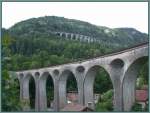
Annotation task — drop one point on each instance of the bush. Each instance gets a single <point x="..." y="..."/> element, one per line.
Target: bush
<point x="10" y="93"/>
<point x="105" y="103"/>
<point x="137" y="107"/>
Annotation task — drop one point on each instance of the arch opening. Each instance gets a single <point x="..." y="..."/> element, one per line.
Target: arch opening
<point x="32" y="93"/>
<point x="50" y="92"/>
<point x="68" y="90"/>
<point x="58" y="34"/>
<point x="98" y="89"/>
<point x="72" y="89"/>
<point x="69" y="36"/>
<point x="46" y="91"/>
<point x="135" y="83"/>
<point x="74" y="37"/>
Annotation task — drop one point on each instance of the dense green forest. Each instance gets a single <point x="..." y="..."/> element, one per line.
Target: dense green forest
<point x="30" y="44"/>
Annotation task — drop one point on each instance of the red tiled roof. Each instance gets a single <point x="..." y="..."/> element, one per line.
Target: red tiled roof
<point x="74" y="107"/>
<point x="141" y="95"/>
<point x="72" y="96"/>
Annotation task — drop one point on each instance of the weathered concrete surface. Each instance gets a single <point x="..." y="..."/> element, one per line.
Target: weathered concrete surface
<point x="121" y="66"/>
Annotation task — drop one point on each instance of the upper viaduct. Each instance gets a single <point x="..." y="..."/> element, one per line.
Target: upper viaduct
<point x="74" y="36"/>
<point x="121" y="66"/>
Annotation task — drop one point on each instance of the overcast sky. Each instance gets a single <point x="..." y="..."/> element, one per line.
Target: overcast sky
<point x="109" y="14"/>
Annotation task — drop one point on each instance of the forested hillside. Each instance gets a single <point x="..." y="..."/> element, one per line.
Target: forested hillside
<point x="45" y="26"/>
<point x="32" y="44"/>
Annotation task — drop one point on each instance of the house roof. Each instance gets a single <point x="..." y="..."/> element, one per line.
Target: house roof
<point x="141" y="95"/>
<point x="74" y="107"/>
<point x="72" y="96"/>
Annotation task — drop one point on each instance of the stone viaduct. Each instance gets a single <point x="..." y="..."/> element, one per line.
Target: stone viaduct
<point x="73" y="36"/>
<point x="121" y="66"/>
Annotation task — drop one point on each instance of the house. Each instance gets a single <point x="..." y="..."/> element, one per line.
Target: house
<point x="76" y="107"/>
<point x="72" y="97"/>
<point x="142" y="97"/>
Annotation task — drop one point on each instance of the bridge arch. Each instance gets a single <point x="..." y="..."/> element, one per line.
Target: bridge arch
<point x="69" y="36"/>
<point x="89" y="84"/>
<point x="63" y="86"/>
<point x="28" y="92"/>
<point x="129" y="82"/>
<point x="45" y="80"/>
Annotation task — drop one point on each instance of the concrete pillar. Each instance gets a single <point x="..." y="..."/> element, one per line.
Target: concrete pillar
<point x="91" y="39"/>
<point x="42" y="95"/>
<point x="80" y="85"/>
<point x="129" y="85"/>
<point x="62" y="93"/>
<point x="80" y="38"/>
<point x="37" y="101"/>
<point x="24" y="95"/>
<point x="88" y="87"/>
<point x="118" y="97"/>
<point x="21" y="92"/>
<point x="116" y="75"/>
<point x="72" y="36"/>
<point x="56" y="96"/>
<point x="20" y="77"/>
<point x="116" y="72"/>
<point x="66" y="35"/>
<point x="128" y="94"/>
<point x="77" y="36"/>
<point x="36" y="96"/>
<point x="61" y="34"/>
<point x="80" y="94"/>
<point x="85" y="39"/>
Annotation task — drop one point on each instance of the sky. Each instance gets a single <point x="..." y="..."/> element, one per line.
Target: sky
<point x="109" y="14"/>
